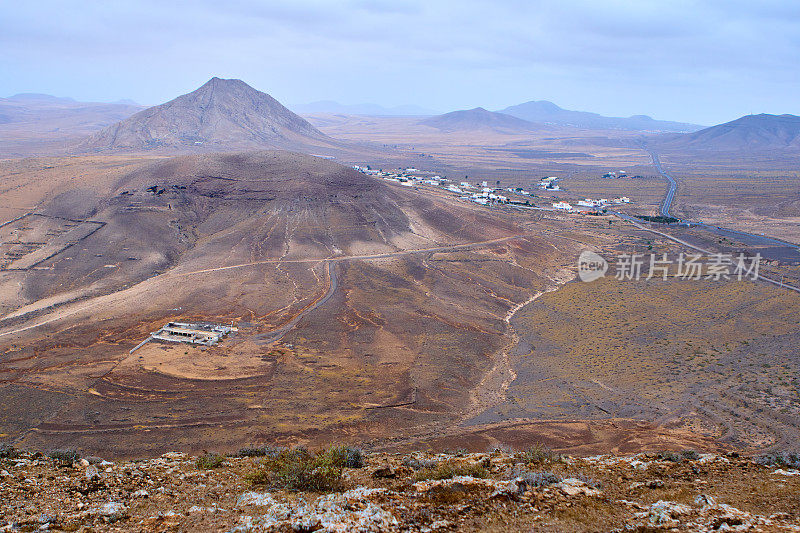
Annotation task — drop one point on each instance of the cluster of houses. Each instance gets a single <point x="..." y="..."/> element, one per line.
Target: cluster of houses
<point x="481" y="193"/>
<point x="549" y="184"/>
<point x="617" y="174"/>
<point x="591" y="204"/>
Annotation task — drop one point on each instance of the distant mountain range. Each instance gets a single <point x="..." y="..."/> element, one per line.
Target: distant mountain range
<point x="222" y="115"/>
<point x="549" y="113"/>
<point x="62" y="111"/>
<point x="480" y="119"/>
<point x="748" y="133"/>
<point x="329" y="106"/>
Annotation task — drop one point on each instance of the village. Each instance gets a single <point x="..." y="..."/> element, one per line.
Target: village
<point x="483" y="194"/>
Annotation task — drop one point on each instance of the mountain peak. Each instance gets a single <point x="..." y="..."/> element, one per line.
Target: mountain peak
<point x="221" y="114"/>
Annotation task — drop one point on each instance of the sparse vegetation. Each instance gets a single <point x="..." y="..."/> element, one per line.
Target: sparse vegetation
<point x="299" y="469"/>
<point x="539" y="454"/>
<point x="209" y="461"/>
<point x="259" y="451"/>
<point x="534" y="479"/>
<point x="418" y="464"/>
<point x="64" y="457"/>
<point x="677" y="457"/>
<point x="8" y="452"/>
<point x="784" y="459"/>
<point x="347" y="456"/>
<point x="450" y="469"/>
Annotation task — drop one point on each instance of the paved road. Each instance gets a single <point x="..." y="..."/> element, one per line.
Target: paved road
<point x="639" y="225"/>
<point x="744" y="236"/>
<point x="666" y="203"/>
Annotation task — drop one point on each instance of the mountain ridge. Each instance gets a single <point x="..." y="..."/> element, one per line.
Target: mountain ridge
<point x="330" y="106"/>
<point x="550" y="113"/>
<point x="479" y="118"/>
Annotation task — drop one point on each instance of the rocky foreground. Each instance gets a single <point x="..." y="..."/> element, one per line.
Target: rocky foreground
<point x="294" y="490"/>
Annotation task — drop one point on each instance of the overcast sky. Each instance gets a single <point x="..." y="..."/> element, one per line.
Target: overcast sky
<point x="695" y="61"/>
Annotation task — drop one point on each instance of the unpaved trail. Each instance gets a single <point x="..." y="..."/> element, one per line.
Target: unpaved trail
<point x="492" y="389"/>
<point x="61" y="313"/>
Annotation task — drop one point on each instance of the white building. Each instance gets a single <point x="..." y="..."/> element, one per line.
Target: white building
<point x="563" y="206"/>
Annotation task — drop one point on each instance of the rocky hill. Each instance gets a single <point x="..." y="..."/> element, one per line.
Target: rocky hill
<point x="342" y="489"/>
<point x="749" y="133"/>
<point x="480" y="119"/>
<point x="222" y="115"/>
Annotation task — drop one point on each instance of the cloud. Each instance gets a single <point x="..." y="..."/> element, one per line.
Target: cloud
<point x="410" y="51"/>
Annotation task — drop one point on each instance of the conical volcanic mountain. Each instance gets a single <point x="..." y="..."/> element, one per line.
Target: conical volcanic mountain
<point x="219" y="116"/>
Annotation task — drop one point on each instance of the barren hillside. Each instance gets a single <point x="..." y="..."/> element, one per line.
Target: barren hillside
<point x="221" y="115"/>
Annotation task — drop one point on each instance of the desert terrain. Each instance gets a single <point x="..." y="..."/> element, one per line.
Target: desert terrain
<point x="386" y="310"/>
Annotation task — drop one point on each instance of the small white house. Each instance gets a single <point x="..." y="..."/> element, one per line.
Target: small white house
<point x="563" y="206"/>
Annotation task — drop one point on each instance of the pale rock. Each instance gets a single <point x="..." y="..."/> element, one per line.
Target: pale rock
<point x="574" y="487"/>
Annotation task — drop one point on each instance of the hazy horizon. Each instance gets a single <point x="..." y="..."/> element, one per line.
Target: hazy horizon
<point x="699" y="62"/>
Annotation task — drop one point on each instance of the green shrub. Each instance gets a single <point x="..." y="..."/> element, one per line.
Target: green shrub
<point x="450" y="469"/>
<point x="345" y="456"/>
<point x="65" y="457"/>
<point x="538" y="454"/>
<point x="256" y="451"/>
<point x="209" y="461"/>
<point x="299" y="469"/>
<point x="690" y="455"/>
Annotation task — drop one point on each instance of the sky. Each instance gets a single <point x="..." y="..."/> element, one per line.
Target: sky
<point x="704" y="62"/>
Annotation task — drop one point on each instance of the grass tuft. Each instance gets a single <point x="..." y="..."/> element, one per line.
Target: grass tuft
<point x="301" y="470"/>
<point x="539" y="454"/>
<point x="209" y="461"/>
<point x="451" y="469"/>
<point x="64" y="457"/>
